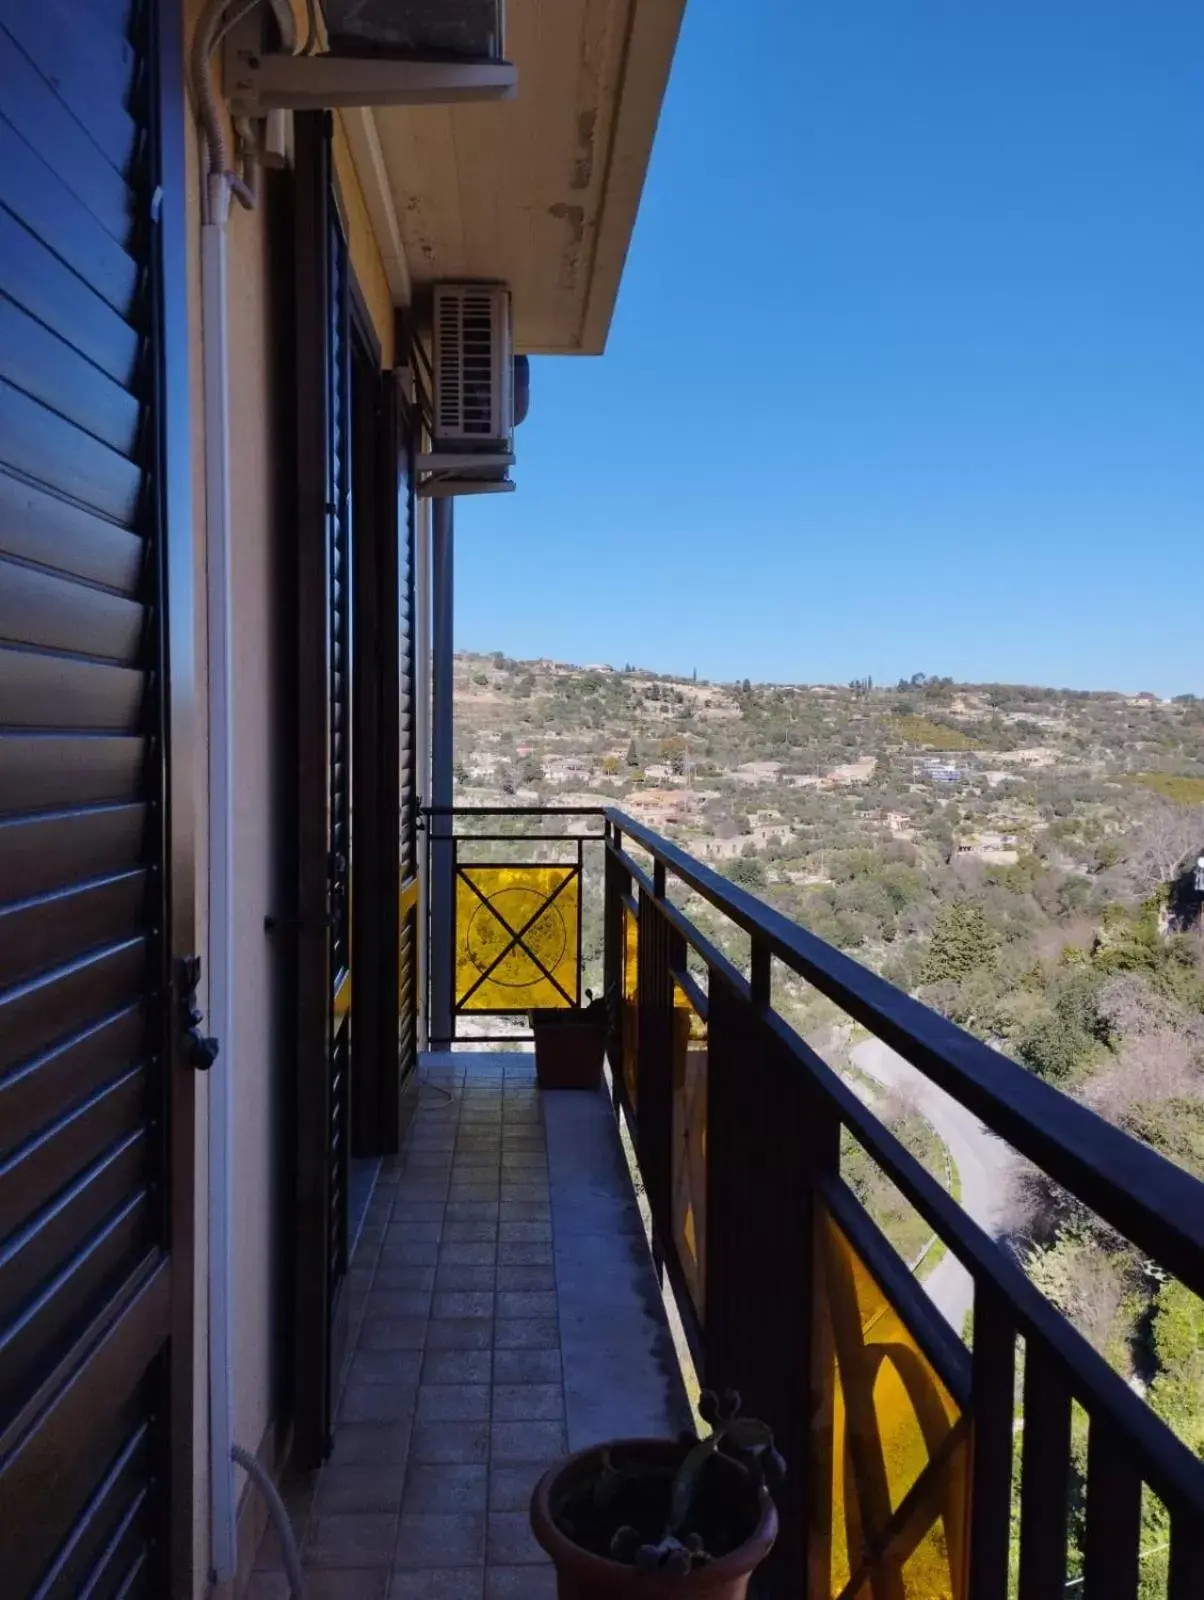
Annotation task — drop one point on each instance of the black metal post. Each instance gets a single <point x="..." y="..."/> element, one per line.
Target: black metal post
<point x="442" y="886"/>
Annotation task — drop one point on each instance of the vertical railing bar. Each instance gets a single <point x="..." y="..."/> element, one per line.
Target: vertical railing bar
<point x="1044" y="1476"/>
<point x="1185" y="1579"/>
<point x="580" y="916"/>
<point x="760" y="979"/>
<point x="654" y="1121"/>
<point x="450" y="957"/>
<point x="1112" y="1542"/>
<point x="992" y="1405"/>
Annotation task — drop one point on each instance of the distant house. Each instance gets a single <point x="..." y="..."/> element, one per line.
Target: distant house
<point x="655" y="806"/>
<point x="999" y="849"/>
<point x="859" y="771"/>
<point x="566" y="769"/>
<point x="754" y="772"/>
<point x="934" y="770"/>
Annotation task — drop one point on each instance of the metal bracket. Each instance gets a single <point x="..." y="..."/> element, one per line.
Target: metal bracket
<point x="462" y="461"/>
<point x="448" y="488"/>
<point x="200" y="1049"/>
<point x="257" y="83"/>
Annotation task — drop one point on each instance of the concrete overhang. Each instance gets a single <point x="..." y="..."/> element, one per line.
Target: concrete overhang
<point x="540" y="191"/>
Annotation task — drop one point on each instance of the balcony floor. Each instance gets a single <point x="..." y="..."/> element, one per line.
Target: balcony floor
<point x="506" y="1311"/>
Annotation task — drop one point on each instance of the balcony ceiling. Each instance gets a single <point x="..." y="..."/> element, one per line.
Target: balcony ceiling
<point x="541" y="191"/>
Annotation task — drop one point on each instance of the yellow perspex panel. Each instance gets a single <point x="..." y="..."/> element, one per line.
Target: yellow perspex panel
<point x="890" y="1442"/>
<point x="630" y="1010"/>
<point x="689" y="1147"/>
<point x="517" y="941"/>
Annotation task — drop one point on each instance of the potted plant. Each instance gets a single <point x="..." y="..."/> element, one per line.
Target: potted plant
<point x="570" y="1045"/>
<point x="658" y="1519"/>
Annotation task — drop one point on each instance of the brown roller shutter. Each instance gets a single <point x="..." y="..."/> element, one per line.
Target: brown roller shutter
<point x="324" y="843"/>
<point x="407" y="956"/>
<point x="95" y="1214"/>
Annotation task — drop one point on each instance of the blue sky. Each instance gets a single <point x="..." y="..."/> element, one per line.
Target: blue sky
<point x="907" y="371"/>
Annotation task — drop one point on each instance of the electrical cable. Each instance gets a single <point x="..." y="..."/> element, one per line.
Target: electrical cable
<point x="214" y="23"/>
<point x="262" y="1479"/>
<point x="311" y="28"/>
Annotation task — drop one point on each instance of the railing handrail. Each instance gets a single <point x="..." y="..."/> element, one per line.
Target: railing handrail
<point x="513" y="811"/>
<point x="1158" y="1206"/>
<point x="763" y="1243"/>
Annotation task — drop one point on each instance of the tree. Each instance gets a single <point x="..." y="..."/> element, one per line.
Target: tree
<point x="962" y="941"/>
<point x="1089" y="1284"/>
<point x="673" y="750"/>
<point x="747" y="871"/>
<point x="1168" y="835"/>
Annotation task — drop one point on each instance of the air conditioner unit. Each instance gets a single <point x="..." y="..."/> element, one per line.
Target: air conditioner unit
<point x="473" y="369"/>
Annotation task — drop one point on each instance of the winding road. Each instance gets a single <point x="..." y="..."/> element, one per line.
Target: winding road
<point x="982" y="1161"/>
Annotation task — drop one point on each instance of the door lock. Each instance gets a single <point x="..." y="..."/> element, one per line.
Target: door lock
<point x="200" y="1049"/>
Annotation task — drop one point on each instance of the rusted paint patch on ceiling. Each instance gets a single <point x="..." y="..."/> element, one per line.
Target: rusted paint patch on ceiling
<point x="573" y="217"/>
<point x="583" y="167"/>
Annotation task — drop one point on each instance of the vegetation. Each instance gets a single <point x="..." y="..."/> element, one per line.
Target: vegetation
<point x="900" y="1222"/>
<point x="1182" y="789"/>
<point x="933" y="735"/>
<point x="1020" y="858"/>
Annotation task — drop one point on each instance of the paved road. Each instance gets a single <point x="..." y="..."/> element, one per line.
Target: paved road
<point x="982" y="1163"/>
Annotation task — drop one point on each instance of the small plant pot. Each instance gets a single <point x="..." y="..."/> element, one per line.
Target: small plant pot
<point x="746" y="1516"/>
<point x="569" y="1047"/>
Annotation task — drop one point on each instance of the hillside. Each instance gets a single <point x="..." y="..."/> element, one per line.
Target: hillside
<point x="1018" y="857"/>
<point x="977" y="844"/>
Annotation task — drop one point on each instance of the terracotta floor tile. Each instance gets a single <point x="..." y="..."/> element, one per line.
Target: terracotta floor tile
<point x="454" y="1402"/>
<point x="527" y="1402"/>
<point x="375" y="1442"/>
<point x="438" y="1583"/>
<point x="457" y="1366"/>
<point x="510" y="1540"/>
<point x="511" y="1484"/>
<point x="453" y="1443"/>
<point x="527" y="1366"/>
<point x="526" y="1441"/>
<point x="447" y="1486"/>
<point x="360" y="1539"/>
<point x="359" y="1486"/>
<point x="349" y="1583"/>
<point x="520" y="1583"/>
<point x="527" y="1333"/>
<point x="440" y="1539"/>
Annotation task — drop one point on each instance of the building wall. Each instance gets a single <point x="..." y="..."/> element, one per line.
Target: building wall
<point x="258" y="434"/>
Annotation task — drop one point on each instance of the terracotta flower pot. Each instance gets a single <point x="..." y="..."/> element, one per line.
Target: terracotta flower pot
<point x="569" y="1047"/>
<point x="583" y="1575"/>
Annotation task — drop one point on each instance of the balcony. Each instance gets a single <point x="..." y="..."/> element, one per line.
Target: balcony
<point x="517" y="1294"/>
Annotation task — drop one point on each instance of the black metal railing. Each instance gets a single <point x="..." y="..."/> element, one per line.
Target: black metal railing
<point x="909" y="1475"/>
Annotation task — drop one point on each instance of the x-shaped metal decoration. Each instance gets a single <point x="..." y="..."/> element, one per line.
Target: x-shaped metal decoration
<point x="517" y="938"/>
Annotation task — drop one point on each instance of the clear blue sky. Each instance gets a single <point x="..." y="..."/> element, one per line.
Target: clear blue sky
<point x="907" y="372"/>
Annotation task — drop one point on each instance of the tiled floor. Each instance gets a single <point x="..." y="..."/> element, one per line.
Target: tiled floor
<point x="507" y="1312"/>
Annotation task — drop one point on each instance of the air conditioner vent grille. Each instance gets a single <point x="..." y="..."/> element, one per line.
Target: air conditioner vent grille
<point x="473" y="364"/>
